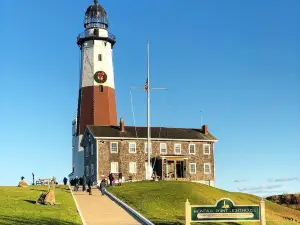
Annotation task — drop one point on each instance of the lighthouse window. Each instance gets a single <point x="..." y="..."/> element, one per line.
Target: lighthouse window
<point x="101" y="88"/>
<point x="99" y="57"/>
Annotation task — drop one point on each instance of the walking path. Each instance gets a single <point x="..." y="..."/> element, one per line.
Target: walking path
<point x="98" y="209"/>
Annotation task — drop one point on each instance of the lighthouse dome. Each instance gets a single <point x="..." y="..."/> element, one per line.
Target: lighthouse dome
<point x="95" y="17"/>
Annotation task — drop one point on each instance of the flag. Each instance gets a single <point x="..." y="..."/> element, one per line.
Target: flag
<point x="146" y="85"/>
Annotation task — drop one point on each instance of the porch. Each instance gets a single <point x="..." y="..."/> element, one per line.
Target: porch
<point x="171" y="167"/>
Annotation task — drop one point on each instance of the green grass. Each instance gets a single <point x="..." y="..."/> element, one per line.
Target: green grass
<point x="17" y="206"/>
<point x="163" y="202"/>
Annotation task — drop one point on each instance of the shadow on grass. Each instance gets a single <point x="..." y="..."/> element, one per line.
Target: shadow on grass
<point x="30" y="201"/>
<point x="16" y="220"/>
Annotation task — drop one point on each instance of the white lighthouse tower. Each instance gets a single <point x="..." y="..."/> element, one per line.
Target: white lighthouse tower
<point x="96" y="100"/>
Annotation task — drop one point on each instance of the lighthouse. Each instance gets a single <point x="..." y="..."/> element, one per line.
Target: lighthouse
<point x="96" y="99"/>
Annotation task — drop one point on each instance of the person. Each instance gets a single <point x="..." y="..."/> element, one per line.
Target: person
<point x="83" y="183"/>
<point x="90" y="186"/>
<point x="103" y="186"/>
<point x="65" y="180"/>
<point x="76" y="184"/>
<point x="110" y="177"/>
<point x="113" y="181"/>
<point x="120" y="179"/>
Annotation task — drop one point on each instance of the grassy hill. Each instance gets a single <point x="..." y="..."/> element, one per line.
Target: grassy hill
<point x="17" y="206"/>
<point x="288" y="200"/>
<point x="163" y="202"/>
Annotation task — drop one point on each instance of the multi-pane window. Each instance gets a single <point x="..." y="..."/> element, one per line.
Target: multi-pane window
<point x="163" y="148"/>
<point x="92" y="169"/>
<point x="132" y="147"/>
<point x="146" y="147"/>
<point x="193" y="168"/>
<point x="206" y="149"/>
<point x="114" y="167"/>
<point x="177" y="148"/>
<point x="192" y="148"/>
<point x="114" y="147"/>
<point x="207" y="169"/>
<point x="132" y="167"/>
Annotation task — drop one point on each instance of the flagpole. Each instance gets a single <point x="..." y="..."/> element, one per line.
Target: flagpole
<point x="148" y="113"/>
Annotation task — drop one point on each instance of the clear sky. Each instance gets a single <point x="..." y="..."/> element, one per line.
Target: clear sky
<point x="237" y="61"/>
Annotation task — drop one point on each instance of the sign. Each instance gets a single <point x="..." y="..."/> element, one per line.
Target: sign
<point x="224" y="211"/>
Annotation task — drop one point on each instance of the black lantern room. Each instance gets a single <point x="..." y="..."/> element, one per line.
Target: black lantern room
<point x="95" y="17"/>
<point x="95" y="20"/>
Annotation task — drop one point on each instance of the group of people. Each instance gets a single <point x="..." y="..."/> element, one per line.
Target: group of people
<point x="103" y="183"/>
<point x="84" y="183"/>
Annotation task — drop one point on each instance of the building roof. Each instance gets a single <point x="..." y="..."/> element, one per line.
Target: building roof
<point x="156" y="133"/>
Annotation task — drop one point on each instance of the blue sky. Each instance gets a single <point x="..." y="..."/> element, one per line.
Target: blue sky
<point x="238" y="61"/>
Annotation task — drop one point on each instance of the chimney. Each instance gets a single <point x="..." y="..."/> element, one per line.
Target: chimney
<point x="205" y="129"/>
<point x="122" y="126"/>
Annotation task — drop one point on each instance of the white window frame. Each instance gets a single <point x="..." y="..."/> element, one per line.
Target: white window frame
<point x="177" y="144"/>
<point x="207" y="164"/>
<point x="92" y="169"/>
<point x="131" y="166"/>
<point x="92" y="148"/>
<point x="204" y="153"/>
<point x="132" y="143"/>
<point x="160" y="148"/>
<point x="111" y="143"/>
<point x="195" y="168"/>
<point x="146" y="147"/>
<point x="117" y="167"/>
<point x="194" y="153"/>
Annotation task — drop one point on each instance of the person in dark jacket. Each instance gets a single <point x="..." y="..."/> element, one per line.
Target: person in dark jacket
<point x="120" y="179"/>
<point x="103" y="186"/>
<point x="83" y="183"/>
<point x="76" y="184"/>
<point x="110" y="177"/>
<point x="90" y="186"/>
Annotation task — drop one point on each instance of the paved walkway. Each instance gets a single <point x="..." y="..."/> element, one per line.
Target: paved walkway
<point x="98" y="209"/>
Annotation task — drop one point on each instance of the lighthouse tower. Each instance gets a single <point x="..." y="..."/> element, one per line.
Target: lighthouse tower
<point x="96" y="100"/>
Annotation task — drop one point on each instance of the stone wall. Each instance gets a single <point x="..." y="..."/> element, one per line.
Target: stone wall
<point x="123" y="157"/>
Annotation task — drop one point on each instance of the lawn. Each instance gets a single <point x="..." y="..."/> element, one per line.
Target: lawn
<point x="163" y="202"/>
<point x="17" y="206"/>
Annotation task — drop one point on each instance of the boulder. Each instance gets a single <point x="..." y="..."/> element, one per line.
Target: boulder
<point x="47" y="199"/>
<point x="22" y="183"/>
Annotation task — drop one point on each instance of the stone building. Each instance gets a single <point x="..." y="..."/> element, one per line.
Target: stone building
<point x="176" y="153"/>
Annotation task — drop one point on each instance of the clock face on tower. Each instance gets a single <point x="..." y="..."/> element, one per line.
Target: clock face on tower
<point x="100" y="77"/>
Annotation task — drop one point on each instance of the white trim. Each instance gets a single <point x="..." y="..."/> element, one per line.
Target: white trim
<point x="77" y="206"/>
<point x="113" y="142"/>
<point x="209" y="168"/>
<point x="132" y="172"/>
<point x="134" y="147"/>
<point x="194" y="149"/>
<point x="190" y="168"/>
<point x="176" y="144"/>
<point x="204" y="149"/>
<point x="146" y="145"/>
<point x="161" y="148"/>
<point x="153" y="139"/>
<point x="135" y="213"/>
<point x="97" y="164"/>
<point x="116" y="163"/>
